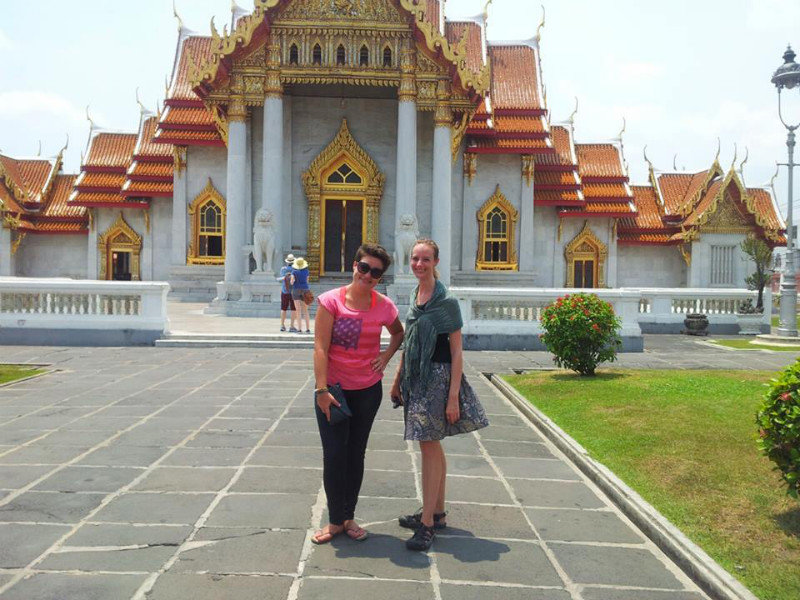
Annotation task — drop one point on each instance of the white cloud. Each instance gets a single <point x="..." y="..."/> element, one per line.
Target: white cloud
<point x="768" y="14"/>
<point x="25" y="103"/>
<point x="624" y="71"/>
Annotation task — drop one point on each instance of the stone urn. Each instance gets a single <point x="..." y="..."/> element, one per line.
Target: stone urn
<point x="696" y="324"/>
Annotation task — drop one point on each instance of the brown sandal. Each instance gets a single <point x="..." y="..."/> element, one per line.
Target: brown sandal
<point x="354" y="532"/>
<point x="325" y="535"/>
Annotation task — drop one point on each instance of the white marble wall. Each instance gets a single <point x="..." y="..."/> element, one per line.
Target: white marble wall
<point x="651" y="266"/>
<point x="52" y="256"/>
<point x="700" y="269"/>
<point x="160" y="238"/>
<point x="6" y="258"/>
<point x="545" y="244"/>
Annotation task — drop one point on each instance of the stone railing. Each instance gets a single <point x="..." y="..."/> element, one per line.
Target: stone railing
<point x="500" y="318"/>
<point x="79" y="312"/>
<point x="662" y="310"/>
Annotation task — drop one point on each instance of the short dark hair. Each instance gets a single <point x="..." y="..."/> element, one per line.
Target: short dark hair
<point x="376" y="251"/>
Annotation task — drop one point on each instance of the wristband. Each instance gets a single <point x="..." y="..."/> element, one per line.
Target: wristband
<point x="319" y="391"/>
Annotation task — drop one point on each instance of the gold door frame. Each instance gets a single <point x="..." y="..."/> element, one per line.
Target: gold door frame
<point x="347" y="198"/>
<point x="586" y="246"/>
<point x="343" y="149"/>
<point x="107" y="244"/>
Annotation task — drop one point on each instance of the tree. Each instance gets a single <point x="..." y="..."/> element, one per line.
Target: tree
<point x="760" y="253"/>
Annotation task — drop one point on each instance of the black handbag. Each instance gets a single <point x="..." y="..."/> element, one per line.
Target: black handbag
<point x="340" y="413"/>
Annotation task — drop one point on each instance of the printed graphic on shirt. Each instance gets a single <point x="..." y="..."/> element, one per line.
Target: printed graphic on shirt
<point x="346" y="332"/>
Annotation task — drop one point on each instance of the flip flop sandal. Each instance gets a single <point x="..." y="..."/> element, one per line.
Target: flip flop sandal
<point x="353" y="533"/>
<point x="323" y="537"/>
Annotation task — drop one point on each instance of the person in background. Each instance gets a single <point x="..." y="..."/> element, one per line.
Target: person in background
<point x="287" y="302"/>
<point x="430" y="383"/>
<point x="347" y="352"/>
<point x="299" y="286"/>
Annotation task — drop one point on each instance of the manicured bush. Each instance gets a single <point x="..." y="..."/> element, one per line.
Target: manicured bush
<point x="581" y="331"/>
<point x="779" y="426"/>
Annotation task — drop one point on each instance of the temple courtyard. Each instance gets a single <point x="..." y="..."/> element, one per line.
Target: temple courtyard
<point x="167" y="473"/>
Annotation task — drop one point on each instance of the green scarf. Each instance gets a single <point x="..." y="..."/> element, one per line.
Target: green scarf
<point x="441" y="315"/>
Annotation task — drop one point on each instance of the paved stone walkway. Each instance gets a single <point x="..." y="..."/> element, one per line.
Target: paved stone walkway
<point x="196" y="473"/>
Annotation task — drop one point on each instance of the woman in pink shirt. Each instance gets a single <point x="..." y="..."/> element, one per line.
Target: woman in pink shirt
<point x="347" y="352"/>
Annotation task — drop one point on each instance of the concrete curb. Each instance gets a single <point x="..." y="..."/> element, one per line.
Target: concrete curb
<point x="691" y="559"/>
<point x="46" y="371"/>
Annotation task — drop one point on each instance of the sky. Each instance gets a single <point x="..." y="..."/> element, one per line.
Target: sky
<point x="682" y="73"/>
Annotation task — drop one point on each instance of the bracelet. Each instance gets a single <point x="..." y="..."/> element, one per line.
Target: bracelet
<point x="319" y="391"/>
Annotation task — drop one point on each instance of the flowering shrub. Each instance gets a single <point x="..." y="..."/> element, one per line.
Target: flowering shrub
<point x="581" y="332"/>
<point x="778" y="420"/>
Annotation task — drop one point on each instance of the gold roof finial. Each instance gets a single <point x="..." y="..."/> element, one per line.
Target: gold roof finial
<point x="622" y="131"/>
<point x="214" y="33"/>
<point x="735" y="155"/>
<point x="538" y="35"/>
<point x="177" y="16"/>
<point x="675" y="162"/>
<point x="166" y="86"/>
<point x="142" y="109"/>
<point x="39" y="151"/>
<point x="771" y="183"/>
<point x="746" y="156"/>
<point x="66" y="145"/>
<point x="719" y="149"/>
<point x="88" y="118"/>
<point x="571" y="119"/>
<point x="646" y="159"/>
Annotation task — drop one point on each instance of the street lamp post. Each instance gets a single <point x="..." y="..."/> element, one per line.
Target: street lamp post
<point x="787" y="77"/>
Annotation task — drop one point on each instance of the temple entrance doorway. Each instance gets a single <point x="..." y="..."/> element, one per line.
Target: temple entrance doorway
<point x="120" y="266"/>
<point x="344" y="232"/>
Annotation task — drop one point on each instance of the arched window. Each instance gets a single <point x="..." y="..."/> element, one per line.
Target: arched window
<point x="344" y="175"/>
<point x="119" y="250"/>
<point x="387" y="57"/>
<point x="340" y="57"/>
<point x="207" y="213"/>
<point x="293" y="55"/>
<point x="586" y="256"/>
<point x="317" y="55"/>
<point x="363" y="58"/>
<point x="496" y="227"/>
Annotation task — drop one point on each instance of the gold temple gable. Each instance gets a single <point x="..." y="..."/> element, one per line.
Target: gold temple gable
<point x="120" y="237"/>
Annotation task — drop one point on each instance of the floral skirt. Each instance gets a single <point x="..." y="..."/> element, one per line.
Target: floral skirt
<point x="425" y="409"/>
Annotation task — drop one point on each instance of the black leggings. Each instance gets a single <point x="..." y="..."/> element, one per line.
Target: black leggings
<point x="343" y="449"/>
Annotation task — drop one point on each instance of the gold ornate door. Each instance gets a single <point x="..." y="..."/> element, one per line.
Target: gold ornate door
<point x="344" y="225"/>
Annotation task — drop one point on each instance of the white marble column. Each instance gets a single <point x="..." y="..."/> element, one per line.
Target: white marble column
<point x="611" y="264"/>
<point x="272" y="194"/>
<point x="406" y="185"/>
<point x="92" y="264"/>
<point x="525" y="234"/>
<point x="179" y="210"/>
<point x="442" y="210"/>
<point x="5" y="252"/>
<point x="236" y="193"/>
<point x="469" y="229"/>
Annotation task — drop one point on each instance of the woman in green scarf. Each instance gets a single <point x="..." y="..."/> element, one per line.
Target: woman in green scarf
<point x="430" y="383"/>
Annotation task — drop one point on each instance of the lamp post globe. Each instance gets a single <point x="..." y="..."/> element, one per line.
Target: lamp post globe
<point x="787" y="77"/>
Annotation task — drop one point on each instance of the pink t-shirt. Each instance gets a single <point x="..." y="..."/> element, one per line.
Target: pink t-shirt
<point x="355" y="339"/>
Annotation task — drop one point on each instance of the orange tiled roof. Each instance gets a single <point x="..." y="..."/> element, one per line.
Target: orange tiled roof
<point x="563" y="149"/>
<point x="557" y="197"/>
<point x="600" y="161"/>
<point x="8" y="202"/>
<point x="95" y="198"/>
<point x="432" y="11"/>
<point x="607" y="191"/>
<point x="519" y="125"/>
<point x="555" y="178"/>
<point x="54" y="227"/>
<point x="111" y="150"/>
<point x="29" y="175"/>
<point x="57" y="203"/>
<point x="198" y="50"/>
<point x="521" y="146"/>
<point x="648" y="215"/>
<point x="145" y="148"/>
<point x="181" y="116"/>
<point x="612" y="209"/>
<point x="765" y="207"/>
<point x="632" y="237"/>
<point x="147" y="189"/>
<point x="453" y="31"/>
<point x="705" y="202"/>
<point x="515" y="79"/>
<point x="181" y="137"/>
<point x="100" y="180"/>
<point x="161" y="170"/>
<point x="680" y="189"/>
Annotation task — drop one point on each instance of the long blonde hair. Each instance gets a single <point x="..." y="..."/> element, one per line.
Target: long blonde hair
<point x="435" y="246"/>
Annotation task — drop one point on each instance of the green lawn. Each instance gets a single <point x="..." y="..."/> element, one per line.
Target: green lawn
<point x="685" y="440"/>
<point x="13" y="372"/>
<point x="776" y="320"/>
<point x="746" y="344"/>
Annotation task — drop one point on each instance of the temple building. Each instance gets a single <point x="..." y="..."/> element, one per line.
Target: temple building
<point x="315" y="125"/>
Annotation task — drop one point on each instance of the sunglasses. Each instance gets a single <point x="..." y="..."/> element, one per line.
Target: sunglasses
<point x="364" y="268"/>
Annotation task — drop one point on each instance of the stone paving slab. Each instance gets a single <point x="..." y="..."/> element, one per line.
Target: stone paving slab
<point x="157" y="473"/>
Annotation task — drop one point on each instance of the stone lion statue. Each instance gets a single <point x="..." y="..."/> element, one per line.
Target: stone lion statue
<point x="264" y="240"/>
<point x="405" y="235"/>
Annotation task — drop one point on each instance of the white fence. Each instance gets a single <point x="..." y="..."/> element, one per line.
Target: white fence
<point x="83" y="308"/>
<point x="502" y="311"/>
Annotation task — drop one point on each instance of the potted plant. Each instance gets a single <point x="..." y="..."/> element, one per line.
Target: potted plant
<point x="749" y="318"/>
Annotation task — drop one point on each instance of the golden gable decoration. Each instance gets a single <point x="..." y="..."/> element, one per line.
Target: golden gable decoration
<point x="376" y="11"/>
<point x="589" y="255"/>
<point x="497" y="225"/>
<point x="343" y="148"/>
<point x="120" y="237"/>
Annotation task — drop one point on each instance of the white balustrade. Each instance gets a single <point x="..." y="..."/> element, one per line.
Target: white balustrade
<point x="53" y="303"/>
